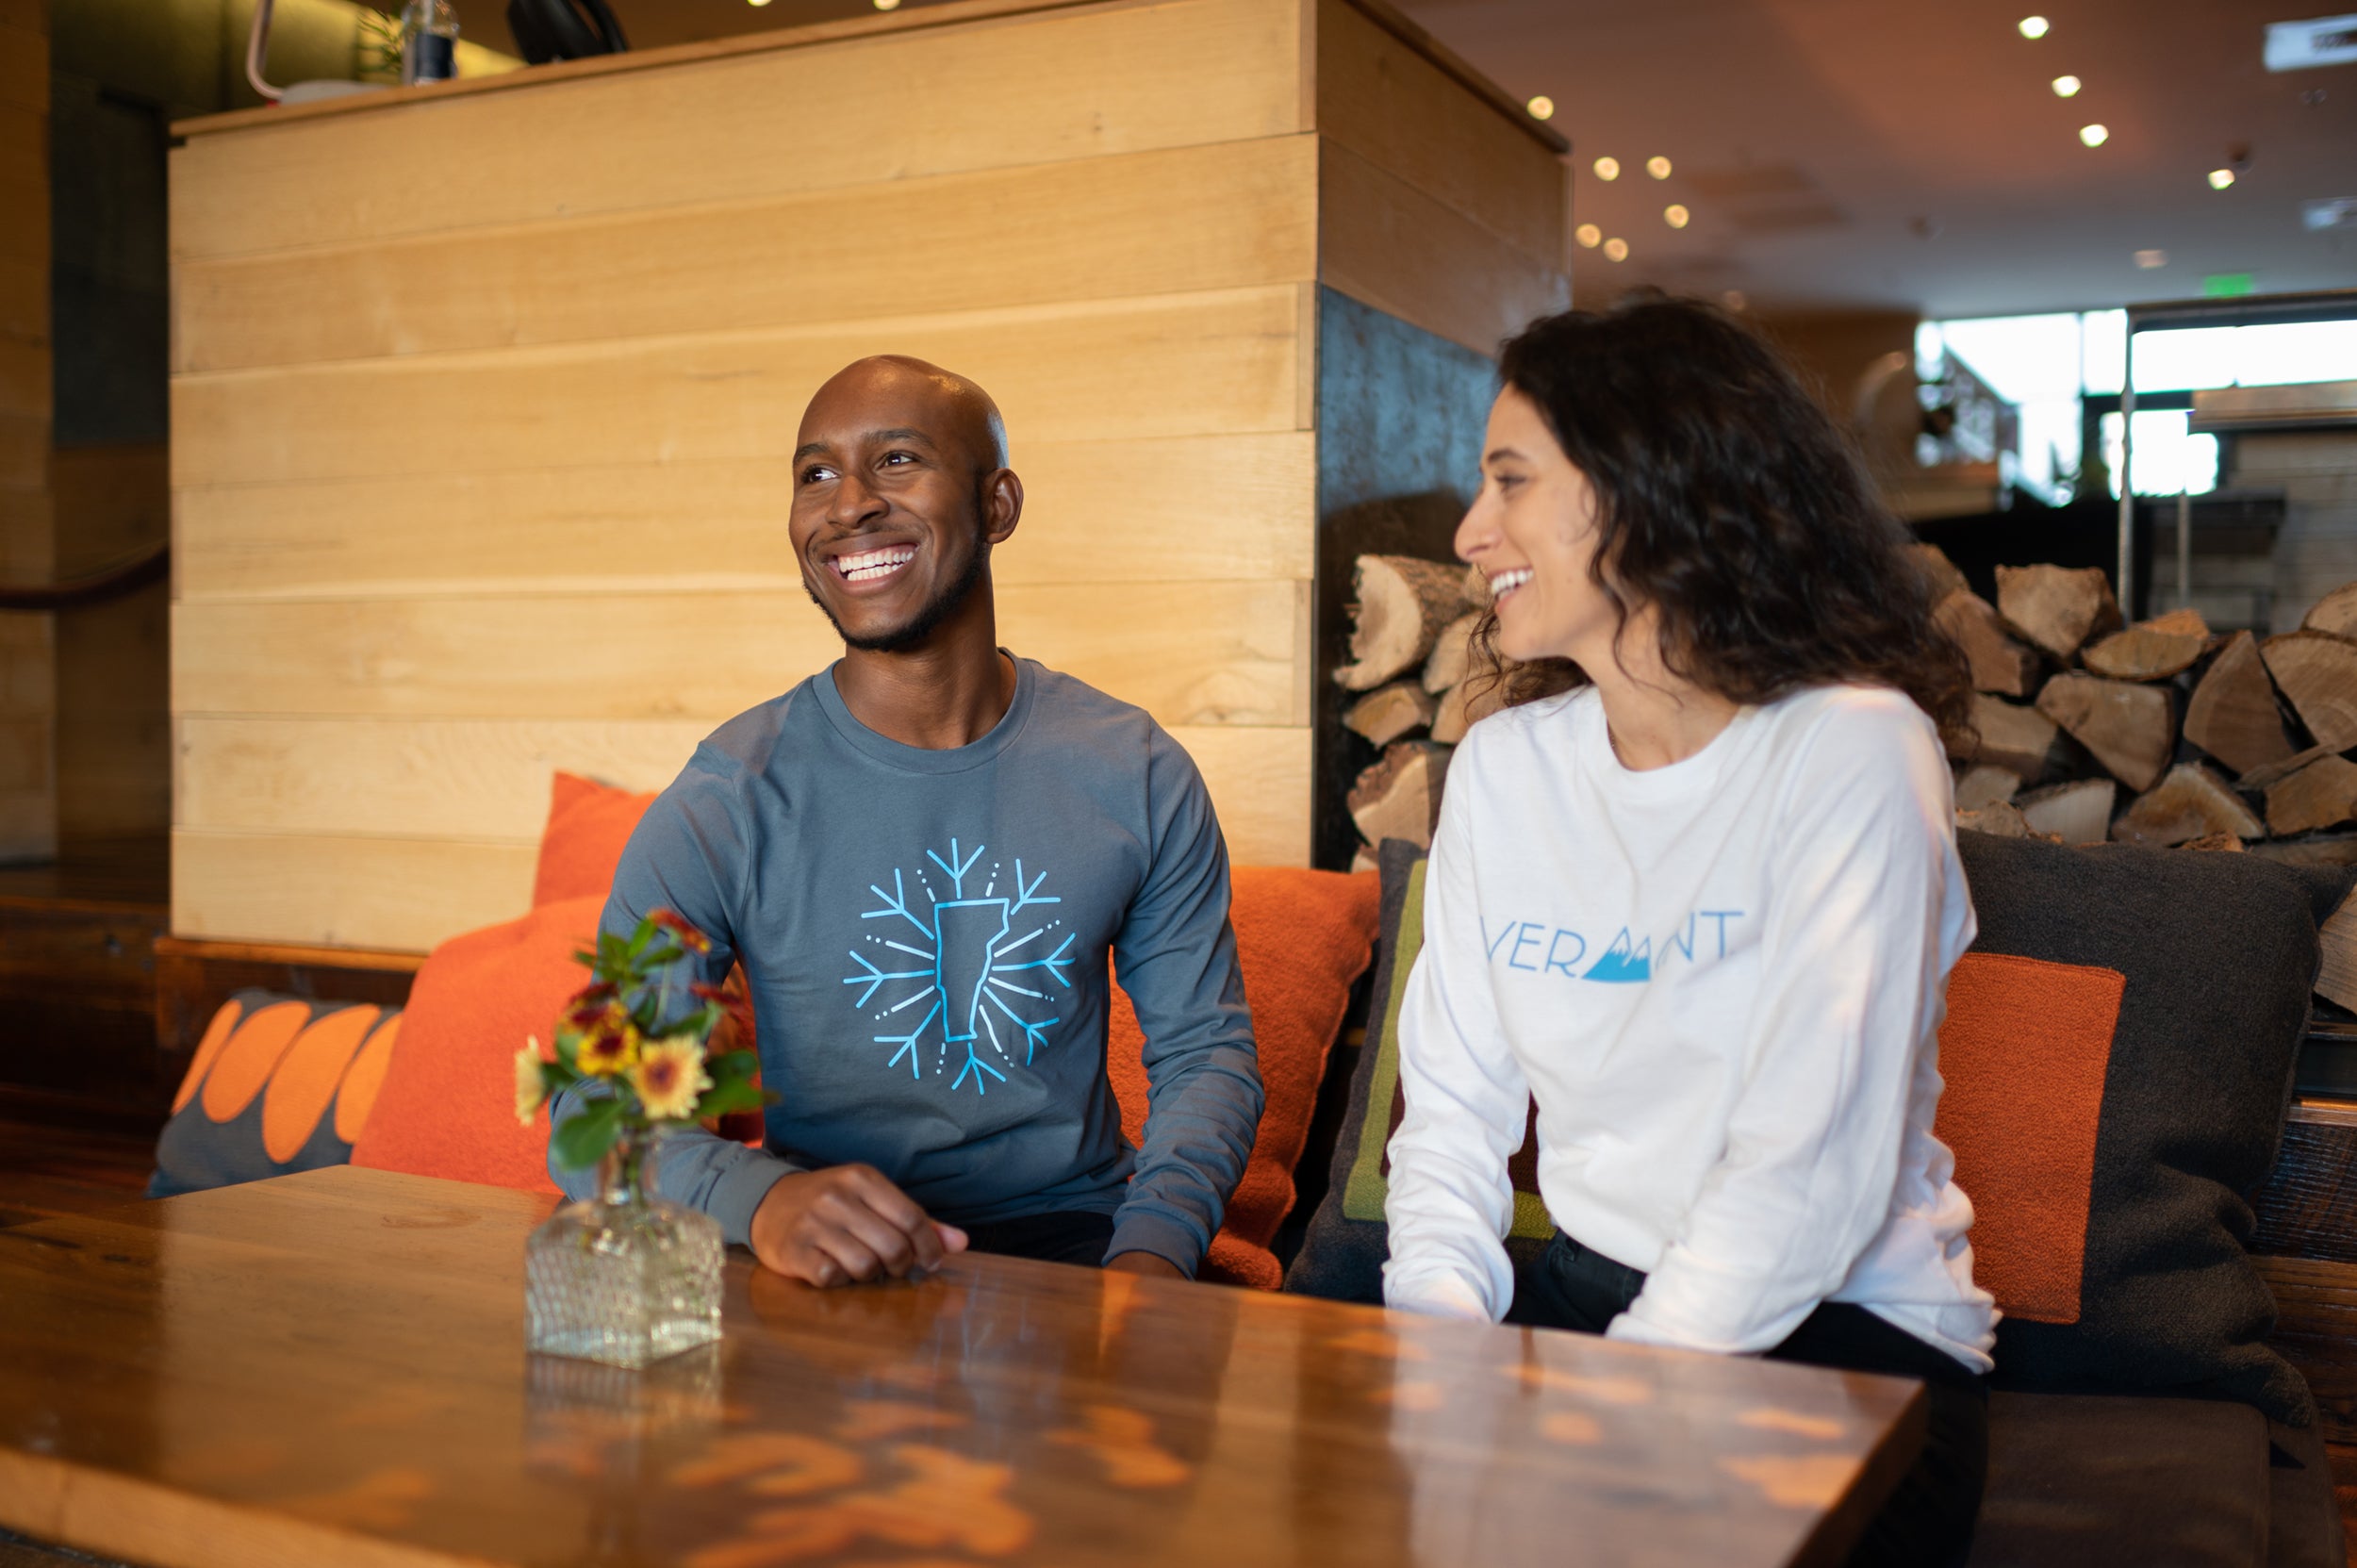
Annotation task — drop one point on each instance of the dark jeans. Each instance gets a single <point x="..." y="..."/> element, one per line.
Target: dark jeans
<point x="1928" y="1520"/>
<point x="1058" y="1236"/>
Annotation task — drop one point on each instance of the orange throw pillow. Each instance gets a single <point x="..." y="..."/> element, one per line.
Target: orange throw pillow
<point x="588" y="824"/>
<point x="447" y="1107"/>
<point x="2024" y="1051"/>
<point x="1302" y="938"/>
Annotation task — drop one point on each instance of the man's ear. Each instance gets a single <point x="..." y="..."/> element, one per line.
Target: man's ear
<point x="1002" y="504"/>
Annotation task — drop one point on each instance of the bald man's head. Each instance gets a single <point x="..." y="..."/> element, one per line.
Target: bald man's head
<point x="900" y="489"/>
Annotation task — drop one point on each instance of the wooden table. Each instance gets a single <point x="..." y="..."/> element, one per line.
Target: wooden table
<point x="329" y="1368"/>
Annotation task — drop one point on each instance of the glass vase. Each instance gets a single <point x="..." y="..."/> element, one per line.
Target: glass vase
<point x="625" y="1277"/>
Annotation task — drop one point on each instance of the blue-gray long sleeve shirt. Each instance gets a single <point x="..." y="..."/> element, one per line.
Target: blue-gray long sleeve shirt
<point x="925" y="934"/>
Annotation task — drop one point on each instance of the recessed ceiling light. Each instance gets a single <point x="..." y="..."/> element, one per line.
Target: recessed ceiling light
<point x="756" y="4"/>
<point x="1607" y="168"/>
<point x="1589" y="234"/>
<point x="1616" y="249"/>
<point x="2221" y="178"/>
<point x="2032" y="26"/>
<point x="2149" y="260"/>
<point x="2094" y="136"/>
<point x="2067" y="87"/>
<point x="1541" y="107"/>
<point x="1658" y="167"/>
<point x="887" y="5"/>
<point x="1675" y="216"/>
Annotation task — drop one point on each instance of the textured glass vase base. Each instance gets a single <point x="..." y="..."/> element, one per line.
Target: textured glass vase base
<point x="622" y="1283"/>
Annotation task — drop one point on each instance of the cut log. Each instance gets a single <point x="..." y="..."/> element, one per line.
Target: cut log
<point x="2233" y="715"/>
<point x="1467" y="703"/>
<point x="2274" y="773"/>
<point x="2336" y="613"/>
<point x="2321" y="795"/>
<point x="2336" y="975"/>
<point x="1939" y="573"/>
<point x="2152" y="649"/>
<point x="2131" y="729"/>
<point x="2192" y="802"/>
<point x="1984" y="786"/>
<point x="1998" y="819"/>
<point x="2056" y="607"/>
<point x="1389" y="713"/>
<point x="1451" y="653"/>
<point x="2077" y="813"/>
<point x="1400" y="796"/>
<point x="1403" y="602"/>
<point x="2331" y="849"/>
<point x="1999" y="664"/>
<point x="2318" y="674"/>
<point x="2017" y="739"/>
<point x="2223" y="843"/>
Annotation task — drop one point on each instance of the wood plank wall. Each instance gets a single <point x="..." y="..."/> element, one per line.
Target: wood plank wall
<point x="28" y="802"/>
<point x="480" y="464"/>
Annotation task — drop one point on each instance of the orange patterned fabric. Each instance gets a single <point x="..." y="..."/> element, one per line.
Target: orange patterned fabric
<point x="249" y="1055"/>
<point x="1302" y="939"/>
<point x="588" y="824"/>
<point x="308" y="1077"/>
<point x="362" y="1080"/>
<point x="2024" y="1051"/>
<point x="207" y="1049"/>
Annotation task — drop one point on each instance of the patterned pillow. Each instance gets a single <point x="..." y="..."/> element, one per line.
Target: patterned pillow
<point x="277" y="1084"/>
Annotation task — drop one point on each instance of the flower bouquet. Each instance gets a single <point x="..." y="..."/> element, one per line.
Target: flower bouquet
<point x="626" y="1277"/>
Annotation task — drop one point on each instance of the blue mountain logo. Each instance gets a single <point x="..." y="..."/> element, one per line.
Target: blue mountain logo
<point x="1625" y="963"/>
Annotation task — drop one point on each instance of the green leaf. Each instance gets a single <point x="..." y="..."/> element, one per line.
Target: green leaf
<point x="660" y="958"/>
<point x="555" y="1077"/>
<point x="585" y="1138"/>
<point x="721" y="1099"/>
<point x="734" y="1066"/>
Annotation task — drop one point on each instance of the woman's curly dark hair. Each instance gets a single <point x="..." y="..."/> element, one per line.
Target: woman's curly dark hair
<point x="1728" y="499"/>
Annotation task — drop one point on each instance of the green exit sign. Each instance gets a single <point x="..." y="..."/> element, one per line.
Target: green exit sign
<point x="2226" y="285"/>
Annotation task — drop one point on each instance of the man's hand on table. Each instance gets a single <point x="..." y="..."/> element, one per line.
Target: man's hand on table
<point x="844" y="1223"/>
<point x="1152" y="1264"/>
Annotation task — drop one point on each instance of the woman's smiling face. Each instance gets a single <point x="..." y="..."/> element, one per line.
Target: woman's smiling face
<point x="1532" y="533"/>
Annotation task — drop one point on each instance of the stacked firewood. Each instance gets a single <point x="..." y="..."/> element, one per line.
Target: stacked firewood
<point x="1414" y="656"/>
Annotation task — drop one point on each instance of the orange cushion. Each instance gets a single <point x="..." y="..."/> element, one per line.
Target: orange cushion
<point x="1302" y="938"/>
<point x="588" y="824"/>
<point x="2024" y="1050"/>
<point x="447" y="1106"/>
<point x="258" y="1092"/>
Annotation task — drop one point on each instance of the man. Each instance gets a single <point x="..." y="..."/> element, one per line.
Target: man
<point x="922" y="857"/>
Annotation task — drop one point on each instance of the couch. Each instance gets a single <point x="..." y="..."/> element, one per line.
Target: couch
<point x="2112" y="1100"/>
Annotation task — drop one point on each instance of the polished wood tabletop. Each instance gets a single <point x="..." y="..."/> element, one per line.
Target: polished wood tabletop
<point x="329" y="1368"/>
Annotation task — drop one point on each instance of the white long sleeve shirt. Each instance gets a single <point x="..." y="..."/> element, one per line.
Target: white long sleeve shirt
<point x="1722" y="982"/>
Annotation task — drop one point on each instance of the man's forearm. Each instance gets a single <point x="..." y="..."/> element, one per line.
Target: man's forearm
<point x="1198" y="1134"/>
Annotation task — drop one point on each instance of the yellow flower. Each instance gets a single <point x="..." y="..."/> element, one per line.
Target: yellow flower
<point x="670" y="1078"/>
<point x="532" y="1091"/>
<point x="608" y="1049"/>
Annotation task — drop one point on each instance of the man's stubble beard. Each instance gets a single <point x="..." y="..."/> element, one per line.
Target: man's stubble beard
<point x="926" y="620"/>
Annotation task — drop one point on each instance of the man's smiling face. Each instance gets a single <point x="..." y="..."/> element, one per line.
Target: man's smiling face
<point x="900" y="489"/>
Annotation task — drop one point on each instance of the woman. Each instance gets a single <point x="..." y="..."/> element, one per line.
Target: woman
<point x="1695" y="889"/>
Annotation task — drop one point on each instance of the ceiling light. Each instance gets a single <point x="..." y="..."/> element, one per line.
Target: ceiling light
<point x="1541" y="107"/>
<point x="1675" y="216"/>
<point x="2067" y="87"/>
<point x="1616" y="249"/>
<point x="1589" y="234"/>
<point x="1658" y="167"/>
<point x="887" y="5"/>
<point x="2094" y="136"/>
<point x="2221" y="178"/>
<point x="2032" y="26"/>
<point x="2149" y="260"/>
<point x="1607" y="168"/>
<point x="756" y="4"/>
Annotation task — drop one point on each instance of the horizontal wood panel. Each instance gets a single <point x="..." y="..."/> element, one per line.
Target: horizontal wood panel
<point x="1188" y="652"/>
<point x="996" y="94"/>
<point x="1401" y="111"/>
<point x="488" y="779"/>
<point x="1389" y="245"/>
<point x="23" y="451"/>
<point x="1180" y="507"/>
<point x="1225" y="216"/>
<point x="400" y="893"/>
<point x="1183" y="365"/>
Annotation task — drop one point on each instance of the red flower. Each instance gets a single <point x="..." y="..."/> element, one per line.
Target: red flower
<point x="688" y="936"/>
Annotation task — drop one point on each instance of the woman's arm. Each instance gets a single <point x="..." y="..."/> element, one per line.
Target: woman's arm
<point x="1450" y="1203"/>
<point x="1851" y="975"/>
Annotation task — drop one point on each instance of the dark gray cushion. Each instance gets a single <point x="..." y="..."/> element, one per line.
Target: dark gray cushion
<point x="2220" y="952"/>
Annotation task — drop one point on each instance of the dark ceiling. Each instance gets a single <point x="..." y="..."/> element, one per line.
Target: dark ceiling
<point x="1908" y="154"/>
